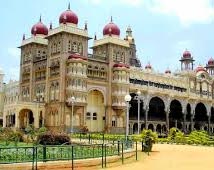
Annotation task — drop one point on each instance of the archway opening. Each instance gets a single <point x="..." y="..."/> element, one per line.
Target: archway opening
<point x="156" y="110"/>
<point x="175" y="115"/>
<point x="212" y="116"/>
<point x="201" y="117"/>
<point x="135" y="127"/>
<point x="95" y="113"/>
<point x="188" y="113"/>
<point x="133" y="111"/>
<point x="164" y="129"/>
<point x="142" y="126"/>
<point x="26" y="118"/>
<point x="159" y="129"/>
<point x="151" y="127"/>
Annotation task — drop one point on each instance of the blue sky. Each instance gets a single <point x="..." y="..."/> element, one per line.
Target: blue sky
<point x="163" y="29"/>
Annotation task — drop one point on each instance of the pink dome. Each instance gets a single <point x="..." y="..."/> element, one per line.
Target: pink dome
<point x="77" y="56"/>
<point x="168" y="71"/>
<point x="211" y="61"/>
<point x="120" y="65"/>
<point x="187" y="54"/>
<point x="39" y="28"/>
<point x="111" y="29"/>
<point x="68" y="16"/>
<point x="200" y="68"/>
<point x="148" y="66"/>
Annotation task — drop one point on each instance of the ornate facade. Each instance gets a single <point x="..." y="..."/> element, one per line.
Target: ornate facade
<point x="55" y="66"/>
<point x="11" y="99"/>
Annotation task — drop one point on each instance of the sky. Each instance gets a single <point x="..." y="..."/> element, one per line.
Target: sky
<point x="162" y="29"/>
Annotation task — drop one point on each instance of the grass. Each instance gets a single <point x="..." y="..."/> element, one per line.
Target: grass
<point x="12" y="144"/>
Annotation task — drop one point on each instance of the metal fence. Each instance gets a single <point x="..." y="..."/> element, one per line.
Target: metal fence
<point x="42" y="153"/>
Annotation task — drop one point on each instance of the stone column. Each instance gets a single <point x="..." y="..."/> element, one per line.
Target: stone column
<point x="167" y="120"/>
<point x="184" y="123"/>
<point x="209" y="116"/>
<point x="192" y="123"/>
<point x="17" y="120"/>
<point x="146" y="117"/>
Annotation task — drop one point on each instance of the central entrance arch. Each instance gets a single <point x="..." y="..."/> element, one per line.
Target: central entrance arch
<point x="175" y="115"/>
<point x="95" y="115"/>
<point x="26" y="118"/>
<point x="201" y="117"/>
<point x="156" y="110"/>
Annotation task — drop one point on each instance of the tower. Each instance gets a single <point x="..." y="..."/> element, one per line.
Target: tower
<point x="210" y="66"/>
<point x="187" y="61"/>
<point x="134" y="61"/>
<point x="67" y="65"/>
<point x="33" y="64"/>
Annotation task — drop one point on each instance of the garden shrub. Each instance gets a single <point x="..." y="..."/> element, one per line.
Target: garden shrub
<point x="176" y="136"/>
<point x="8" y="135"/>
<point x="199" y="137"/>
<point x="149" y="138"/>
<point x="53" y="138"/>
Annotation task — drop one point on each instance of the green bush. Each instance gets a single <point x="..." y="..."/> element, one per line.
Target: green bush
<point x="199" y="138"/>
<point x="8" y="135"/>
<point x="176" y="136"/>
<point x="148" y="138"/>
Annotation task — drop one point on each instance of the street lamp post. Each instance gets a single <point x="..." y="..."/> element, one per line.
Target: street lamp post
<point x="71" y="101"/>
<point x="138" y="98"/>
<point x="127" y="99"/>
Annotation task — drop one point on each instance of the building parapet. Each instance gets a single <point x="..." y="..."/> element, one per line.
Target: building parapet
<point x="69" y="29"/>
<point x="35" y="39"/>
<point x="111" y="39"/>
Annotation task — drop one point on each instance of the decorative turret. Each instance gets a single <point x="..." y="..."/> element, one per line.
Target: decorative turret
<point x="148" y="66"/>
<point x="210" y="66"/>
<point x="187" y="61"/>
<point x="168" y="71"/>
<point x="77" y="77"/>
<point x="134" y="61"/>
<point x="120" y="85"/>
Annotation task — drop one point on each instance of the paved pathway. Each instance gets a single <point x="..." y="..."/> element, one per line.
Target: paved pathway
<point x="174" y="157"/>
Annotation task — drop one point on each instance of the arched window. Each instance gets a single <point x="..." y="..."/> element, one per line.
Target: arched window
<point x="94" y="116"/>
<point x="74" y="47"/>
<point x="88" y="116"/>
<point x="113" y="122"/>
<point x="58" y="46"/>
<point x="80" y="48"/>
<point x="69" y="46"/>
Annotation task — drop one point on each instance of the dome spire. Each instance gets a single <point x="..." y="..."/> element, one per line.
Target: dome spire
<point x="69" y="6"/>
<point x="86" y="25"/>
<point x="95" y="36"/>
<point x="111" y="29"/>
<point x="40" y="18"/>
<point x="51" y="26"/>
<point x="68" y="16"/>
<point x="23" y="38"/>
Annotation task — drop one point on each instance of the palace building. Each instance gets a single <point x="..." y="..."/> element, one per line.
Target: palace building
<point x="63" y="86"/>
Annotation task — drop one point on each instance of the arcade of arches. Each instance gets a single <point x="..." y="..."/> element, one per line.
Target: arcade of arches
<point x="160" y="114"/>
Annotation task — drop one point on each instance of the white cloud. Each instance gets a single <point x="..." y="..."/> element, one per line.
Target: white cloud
<point x="188" y="11"/>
